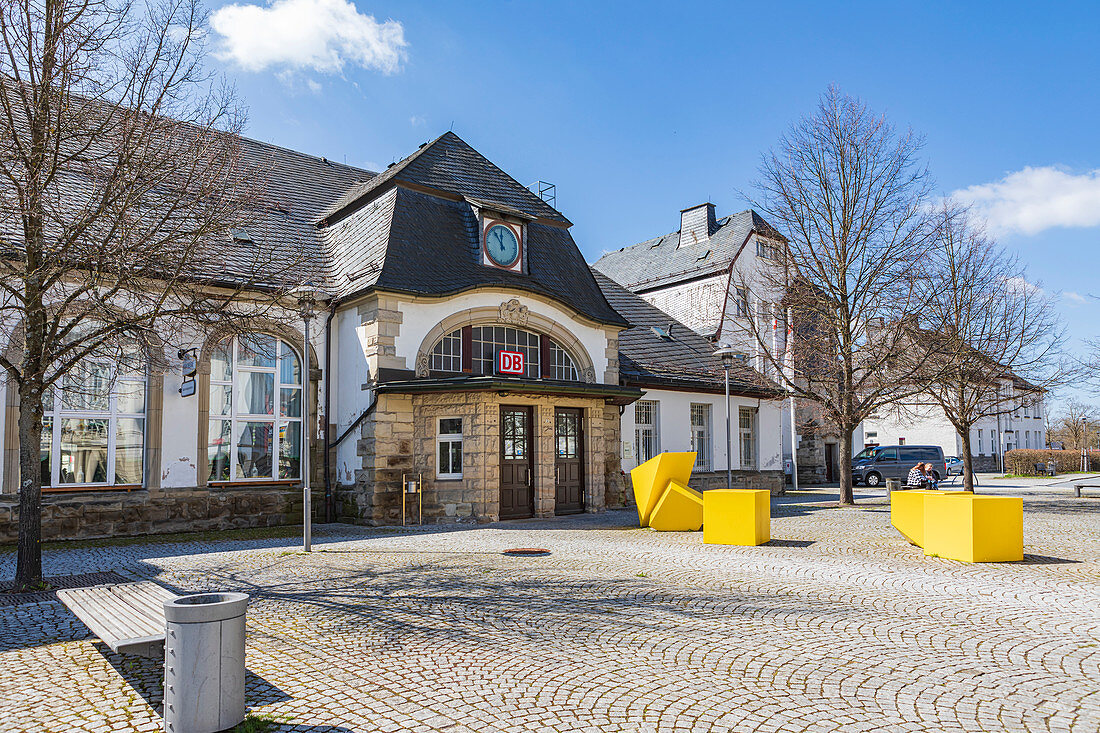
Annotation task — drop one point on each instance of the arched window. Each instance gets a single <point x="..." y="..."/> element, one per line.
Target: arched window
<point x="255" y="410"/>
<point x="93" y="429"/>
<point x="543" y="357"/>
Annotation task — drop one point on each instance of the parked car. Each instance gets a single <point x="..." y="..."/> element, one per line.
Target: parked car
<point x="954" y="465"/>
<point x="873" y="466"/>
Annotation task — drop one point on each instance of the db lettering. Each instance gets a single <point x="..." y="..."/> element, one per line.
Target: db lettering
<point x="510" y="362"/>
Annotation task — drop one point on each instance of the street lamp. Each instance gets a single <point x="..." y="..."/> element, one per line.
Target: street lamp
<point x="726" y="354"/>
<point x="307" y="297"/>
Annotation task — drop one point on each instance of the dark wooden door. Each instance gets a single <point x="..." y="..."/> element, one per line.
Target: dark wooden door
<point x="830" y="463"/>
<point x="517" y="494"/>
<point x="568" y="461"/>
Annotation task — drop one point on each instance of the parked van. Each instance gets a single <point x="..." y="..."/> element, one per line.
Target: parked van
<point x="872" y="466"/>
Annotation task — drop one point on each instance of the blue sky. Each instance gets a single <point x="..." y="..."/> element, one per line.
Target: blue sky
<point x="636" y="110"/>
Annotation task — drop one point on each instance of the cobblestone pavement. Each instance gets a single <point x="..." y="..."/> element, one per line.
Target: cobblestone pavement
<point x="837" y="625"/>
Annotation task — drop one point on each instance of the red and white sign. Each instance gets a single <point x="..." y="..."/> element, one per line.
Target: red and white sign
<point x="510" y="362"/>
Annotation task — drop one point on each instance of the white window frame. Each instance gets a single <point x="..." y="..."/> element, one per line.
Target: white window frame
<point x="750" y="432"/>
<point x="276" y="417"/>
<point x="57" y="412"/>
<point x="702" y="434"/>
<point x="741" y="299"/>
<point x="655" y="427"/>
<point x="442" y="438"/>
<point x="981" y="450"/>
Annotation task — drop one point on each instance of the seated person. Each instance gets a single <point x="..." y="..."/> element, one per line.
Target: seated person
<point x="917" y="477"/>
<point x="930" y="478"/>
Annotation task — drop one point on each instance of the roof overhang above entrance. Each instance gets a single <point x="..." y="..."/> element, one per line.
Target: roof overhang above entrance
<point x="612" y="394"/>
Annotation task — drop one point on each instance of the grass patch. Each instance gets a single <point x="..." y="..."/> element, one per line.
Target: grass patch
<point x="259" y="723"/>
<point x="241" y="535"/>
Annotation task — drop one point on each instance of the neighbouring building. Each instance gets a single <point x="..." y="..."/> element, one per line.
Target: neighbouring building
<point x="1020" y="424"/>
<point x="707" y="276"/>
<point x="461" y="342"/>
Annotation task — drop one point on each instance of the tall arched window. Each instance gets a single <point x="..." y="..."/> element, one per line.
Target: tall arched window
<point x="255" y="410"/>
<point x="93" y="429"/>
<point x="474" y="350"/>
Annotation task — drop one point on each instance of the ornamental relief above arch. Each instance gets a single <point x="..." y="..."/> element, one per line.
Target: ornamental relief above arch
<point x="510" y="313"/>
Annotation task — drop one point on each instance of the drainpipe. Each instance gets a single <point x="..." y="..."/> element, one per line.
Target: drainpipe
<point x="330" y="500"/>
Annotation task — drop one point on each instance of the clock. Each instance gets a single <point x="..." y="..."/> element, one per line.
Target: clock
<point x="501" y="245"/>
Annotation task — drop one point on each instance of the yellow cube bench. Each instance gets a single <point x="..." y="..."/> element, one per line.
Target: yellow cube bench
<point x="974" y="528"/>
<point x="651" y="478"/>
<point x="907" y="512"/>
<point x="680" y="509"/>
<point x="737" y="516"/>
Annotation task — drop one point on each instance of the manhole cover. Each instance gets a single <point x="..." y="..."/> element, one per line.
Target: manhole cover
<point x="526" y="552"/>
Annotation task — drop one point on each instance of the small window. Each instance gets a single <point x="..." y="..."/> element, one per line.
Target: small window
<point x="1027" y="435"/>
<point x="747" y="428"/>
<point x="981" y="448"/>
<point x="646" y="427"/>
<point x="742" y="302"/>
<point x="701" y="436"/>
<point x="449" y="441"/>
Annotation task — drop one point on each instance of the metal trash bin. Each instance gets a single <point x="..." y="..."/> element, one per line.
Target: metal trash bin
<point x="204" y="662"/>
<point x="892" y="484"/>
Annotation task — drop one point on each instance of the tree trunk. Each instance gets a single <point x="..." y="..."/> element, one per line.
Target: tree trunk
<point x="968" y="461"/>
<point x="28" y="568"/>
<point x="844" y="458"/>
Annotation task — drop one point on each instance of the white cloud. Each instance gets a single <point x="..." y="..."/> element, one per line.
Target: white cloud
<point x="417" y="120"/>
<point x="319" y="35"/>
<point x="1075" y="298"/>
<point x="1020" y="284"/>
<point x="1035" y="199"/>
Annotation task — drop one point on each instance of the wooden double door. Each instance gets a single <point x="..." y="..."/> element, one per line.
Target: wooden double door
<point x="517" y="461"/>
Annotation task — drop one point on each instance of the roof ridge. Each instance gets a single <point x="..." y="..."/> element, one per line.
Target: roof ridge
<point x="318" y="158"/>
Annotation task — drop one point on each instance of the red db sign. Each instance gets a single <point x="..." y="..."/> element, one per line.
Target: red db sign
<point x="510" y="362"/>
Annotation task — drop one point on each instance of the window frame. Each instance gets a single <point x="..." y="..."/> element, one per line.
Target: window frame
<point x="237" y="419"/>
<point x="544" y="358"/>
<point x="58" y="413"/>
<point x="750" y="433"/>
<point x="653" y="425"/>
<point x="702" y="432"/>
<point x="442" y="438"/>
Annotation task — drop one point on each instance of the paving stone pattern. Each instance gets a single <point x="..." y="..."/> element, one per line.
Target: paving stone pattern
<point x="838" y="625"/>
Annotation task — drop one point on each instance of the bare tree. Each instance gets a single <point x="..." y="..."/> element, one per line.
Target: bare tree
<point x="1076" y="424"/>
<point x="121" y="182"/>
<point x="989" y="338"/>
<point x="850" y="194"/>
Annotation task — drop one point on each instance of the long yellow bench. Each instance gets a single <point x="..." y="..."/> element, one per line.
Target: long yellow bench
<point x="907" y="512"/>
<point x="737" y="516"/>
<point x="652" y="477"/>
<point x="974" y="528"/>
<point x="680" y="509"/>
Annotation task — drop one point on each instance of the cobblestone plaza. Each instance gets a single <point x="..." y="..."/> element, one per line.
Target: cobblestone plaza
<point x="837" y="625"/>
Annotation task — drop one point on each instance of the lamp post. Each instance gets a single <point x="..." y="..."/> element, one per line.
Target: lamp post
<point x="726" y="355"/>
<point x="307" y="301"/>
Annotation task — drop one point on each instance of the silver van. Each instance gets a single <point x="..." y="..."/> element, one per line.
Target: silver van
<point x="872" y="466"/>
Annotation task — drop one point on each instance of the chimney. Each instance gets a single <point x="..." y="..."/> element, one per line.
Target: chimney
<point x="697" y="224"/>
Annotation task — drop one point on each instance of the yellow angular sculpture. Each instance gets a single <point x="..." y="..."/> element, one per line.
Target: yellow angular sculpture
<point x="680" y="509"/>
<point x="974" y="528"/>
<point x="651" y="478"/>
<point x="907" y="513"/>
<point x="737" y="517"/>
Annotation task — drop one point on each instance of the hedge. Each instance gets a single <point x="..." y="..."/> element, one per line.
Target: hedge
<point x="1022" y="462"/>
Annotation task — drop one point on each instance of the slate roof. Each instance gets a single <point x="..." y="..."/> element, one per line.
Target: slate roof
<point x="413" y="242"/>
<point x="685" y="362"/>
<point x="661" y="261"/>
<point x="449" y="164"/>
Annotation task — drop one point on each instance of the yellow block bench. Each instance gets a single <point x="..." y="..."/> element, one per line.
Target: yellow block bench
<point x="907" y="510"/>
<point x="974" y="528"/>
<point x="650" y="479"/>
<point x="737" y="516"/>
<point x="680" y="509"/>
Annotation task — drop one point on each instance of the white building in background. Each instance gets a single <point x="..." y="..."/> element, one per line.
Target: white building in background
<point x="1022" y="424"/>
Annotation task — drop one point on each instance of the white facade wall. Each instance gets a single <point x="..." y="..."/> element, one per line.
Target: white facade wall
<point x="348" y="399"/>
<point x="674" y="426"/>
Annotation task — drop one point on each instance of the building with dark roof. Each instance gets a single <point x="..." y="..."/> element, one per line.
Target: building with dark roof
<point x="461" y="342"/>
<point x="708" y="275"/>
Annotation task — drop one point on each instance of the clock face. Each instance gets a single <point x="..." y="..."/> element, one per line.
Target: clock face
<point x="501" y="245"/>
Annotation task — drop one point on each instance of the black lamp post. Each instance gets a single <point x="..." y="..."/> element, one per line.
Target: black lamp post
<point x="726" y="354"/>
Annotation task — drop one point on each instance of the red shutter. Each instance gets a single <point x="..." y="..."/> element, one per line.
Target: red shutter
<point x="467" y="349"/>
<point x="546" y="369"/>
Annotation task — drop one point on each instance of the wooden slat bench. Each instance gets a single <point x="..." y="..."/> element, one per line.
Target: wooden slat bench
<point x="127" y="617"/>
